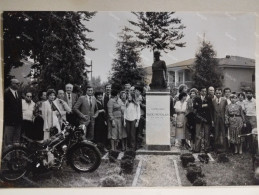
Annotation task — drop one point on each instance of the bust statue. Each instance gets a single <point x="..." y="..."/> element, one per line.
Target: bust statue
<point x="159" y="73"/>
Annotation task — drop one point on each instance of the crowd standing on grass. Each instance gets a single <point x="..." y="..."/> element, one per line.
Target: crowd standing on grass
<point x="214" y="120"/>
<point x="114" y="119"/>
<point x="203" y="120"/>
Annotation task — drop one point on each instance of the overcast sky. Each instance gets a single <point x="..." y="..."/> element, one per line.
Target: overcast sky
<point x="229" y="33"/>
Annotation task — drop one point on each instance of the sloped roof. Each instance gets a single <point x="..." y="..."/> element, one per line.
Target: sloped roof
<point x="236" y="61"/>
<point x="228" y="61"/>
<point x="188" y="62"/>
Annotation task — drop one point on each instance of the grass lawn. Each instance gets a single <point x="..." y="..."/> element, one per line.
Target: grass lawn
<point x="67" y="177"/>
<point x="238" y="171"/>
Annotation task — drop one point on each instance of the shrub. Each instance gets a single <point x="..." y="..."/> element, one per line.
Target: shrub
<point x="113" y="181"/>
<point x="113" y="155"/>
<point x="191" y="165"/>
<point x="199" y="182"/>
<point x="130" y="153"/>
<point x="204" y="158"/>
<point x="127" y="165"/>
<point x="222" y="158"/>
<point x="193" y="173"/>
<point x="187" y="158"/>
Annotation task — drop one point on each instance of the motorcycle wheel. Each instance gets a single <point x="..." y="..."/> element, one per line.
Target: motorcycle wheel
<point x="85" y="158"/>
<point x="14" y="163"/>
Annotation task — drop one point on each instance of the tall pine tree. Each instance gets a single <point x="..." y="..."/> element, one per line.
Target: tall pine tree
<point x="126" y="66"/>
<point x="158" y="31"/>
<point x="206" y="72"/>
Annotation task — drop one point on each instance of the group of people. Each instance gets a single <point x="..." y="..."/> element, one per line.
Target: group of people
<point x="201" y="120"/>
<point x="113" y="118"/>
<point x="212" y="121"/>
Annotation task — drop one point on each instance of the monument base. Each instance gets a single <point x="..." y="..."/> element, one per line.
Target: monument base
<point x="158" y="120"/>
<point x="159" y="147"/>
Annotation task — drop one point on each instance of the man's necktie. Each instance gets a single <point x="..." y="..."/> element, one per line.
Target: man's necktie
<point x="69" y="96"/>
<point x="218" y="100"/>
<point x="16" y="96"/>
<point x="90" y="101"/>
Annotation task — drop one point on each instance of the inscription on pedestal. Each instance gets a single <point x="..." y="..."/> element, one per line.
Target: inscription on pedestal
<point x="158" y="120"/>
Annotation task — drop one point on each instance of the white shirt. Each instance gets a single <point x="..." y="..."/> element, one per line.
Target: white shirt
<point x="132" y="112"/>
<point x="27" y="110"/>
<point x="250" y="107"/>
<point x="202" y="97"/>
<point x="180" y="107"/>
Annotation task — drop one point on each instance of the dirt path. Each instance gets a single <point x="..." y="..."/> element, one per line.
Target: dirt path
<point x="157" y="171"/>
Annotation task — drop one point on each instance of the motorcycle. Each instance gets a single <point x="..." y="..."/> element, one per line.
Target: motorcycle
<point x="253" y="143"/>
<point x="65" y="146"/>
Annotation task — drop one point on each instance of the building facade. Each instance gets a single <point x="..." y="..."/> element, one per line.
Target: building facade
<point x="238" y="73"/>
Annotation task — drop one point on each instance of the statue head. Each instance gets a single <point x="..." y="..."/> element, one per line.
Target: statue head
<point x="156" y="55"/>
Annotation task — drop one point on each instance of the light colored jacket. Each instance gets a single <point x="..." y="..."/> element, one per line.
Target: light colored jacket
<point x="50" y="118"/>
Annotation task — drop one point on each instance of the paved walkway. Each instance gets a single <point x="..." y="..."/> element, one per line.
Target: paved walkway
<point x="158" y="170"/>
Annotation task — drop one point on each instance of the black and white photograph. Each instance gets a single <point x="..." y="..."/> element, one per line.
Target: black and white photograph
<point x="128" y="99"/>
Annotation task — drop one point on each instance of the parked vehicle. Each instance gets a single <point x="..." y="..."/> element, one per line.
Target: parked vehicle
<point x="66" y="146"/>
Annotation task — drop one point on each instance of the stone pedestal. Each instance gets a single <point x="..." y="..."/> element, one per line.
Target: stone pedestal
<point x="158" y="121"/>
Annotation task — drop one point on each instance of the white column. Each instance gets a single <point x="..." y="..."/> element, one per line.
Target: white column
<point x="176" y="77"/>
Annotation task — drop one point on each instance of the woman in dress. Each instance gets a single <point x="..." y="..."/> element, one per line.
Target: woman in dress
<point x="100" y="126"/>
<point x="190" y="115"/>
<point x="235" y="120"/>
<point x="123" y="102"/>
<point x="50" y="114"/>
<point x="115" y="133"/>
<point x="180" y="110"/>
<point x="38" y="121"/>
<point x="131" y="120"/>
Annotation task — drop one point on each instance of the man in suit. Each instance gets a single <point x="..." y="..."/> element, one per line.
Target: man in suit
<point x="12" y="114"/>
<point x="70" y="98"/>
<point x="107" y="96"/>
<point x="86" y="109"/>
<point x="203" y="106"/>
<point x="218" y="120"/>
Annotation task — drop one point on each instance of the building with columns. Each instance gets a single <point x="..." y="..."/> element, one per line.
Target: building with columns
<point x="238" y="73"/>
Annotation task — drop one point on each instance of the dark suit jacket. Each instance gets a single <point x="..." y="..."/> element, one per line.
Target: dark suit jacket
<point x="203" y="109"/>
<point x="106" y="99"/>
<point x="74" y="98"/>
<point x="12" y="109"/>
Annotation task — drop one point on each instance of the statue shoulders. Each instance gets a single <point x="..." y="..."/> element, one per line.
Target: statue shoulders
<point x="159" y="64"/>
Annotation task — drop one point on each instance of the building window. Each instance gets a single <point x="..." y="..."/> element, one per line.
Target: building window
<point x="253" y="78"/>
